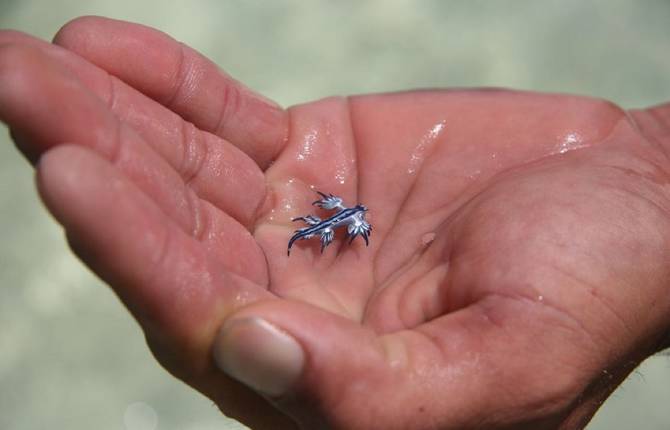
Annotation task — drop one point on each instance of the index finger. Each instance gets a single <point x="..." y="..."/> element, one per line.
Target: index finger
<point x="183" y="80"/>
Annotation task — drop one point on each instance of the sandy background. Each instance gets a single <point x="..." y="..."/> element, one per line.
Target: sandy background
<point x="70" y="355"/>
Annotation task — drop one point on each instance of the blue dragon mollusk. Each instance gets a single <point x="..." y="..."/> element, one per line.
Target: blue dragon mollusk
<point x="352" y="218"/>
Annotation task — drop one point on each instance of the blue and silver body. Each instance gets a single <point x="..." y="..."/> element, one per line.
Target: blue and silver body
<point x="353" y="218"/>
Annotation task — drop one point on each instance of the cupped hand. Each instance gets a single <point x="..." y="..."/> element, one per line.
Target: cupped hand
<point x="516" y="274"/>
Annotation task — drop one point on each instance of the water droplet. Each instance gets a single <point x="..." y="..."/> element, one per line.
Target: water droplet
<point x="419" y="153"/>
<point x="569" y="142"/>
<point x="307" y="146"/>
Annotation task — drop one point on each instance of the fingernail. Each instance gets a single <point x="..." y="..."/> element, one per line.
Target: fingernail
<point x="259" y="355"/>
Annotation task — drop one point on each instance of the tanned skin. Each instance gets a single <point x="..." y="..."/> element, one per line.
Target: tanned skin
<point x="517" y="273"/>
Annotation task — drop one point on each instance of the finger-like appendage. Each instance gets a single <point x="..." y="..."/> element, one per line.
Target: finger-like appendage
<point x="328" y="202"/>
<point x="45" y="106"/>
<point x="164" y="276"/>
<point x="326" y="238"/>
<point x="203" y="160"/>
<point x="480" y="363"/>
<point x="308" y="219"/>
<point x="181" y="79"/>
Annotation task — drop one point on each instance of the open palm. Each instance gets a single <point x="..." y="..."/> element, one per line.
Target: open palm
<point x="515" y="275"/>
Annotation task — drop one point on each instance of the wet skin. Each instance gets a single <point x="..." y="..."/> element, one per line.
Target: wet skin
<point x="518" y="270"/>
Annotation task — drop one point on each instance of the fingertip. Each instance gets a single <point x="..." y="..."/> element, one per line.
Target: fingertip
<point x="18" y="66"/>
<point x="15" y="61"/>
<point x="76" y="31"/>
<point x="52" y="163"/>
<point x="304" y="359"/>
<point x="61" y="172"/>
<point x="39" y="97"/>
<point x="326" y="340"/>
<point x="260" y="355"/>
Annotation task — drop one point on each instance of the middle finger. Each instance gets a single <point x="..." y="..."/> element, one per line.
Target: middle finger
<point x="215" y="169"/>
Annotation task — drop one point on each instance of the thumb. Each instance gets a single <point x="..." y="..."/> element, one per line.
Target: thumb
<point x="329" y="372"/>
<point x="304" y="359"/>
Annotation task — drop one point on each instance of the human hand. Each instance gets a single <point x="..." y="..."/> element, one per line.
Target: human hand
<point x="516" y="274"/>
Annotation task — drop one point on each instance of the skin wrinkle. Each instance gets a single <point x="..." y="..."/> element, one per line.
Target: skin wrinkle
<point x="399" y="272"/>
<point x="109" y="100"/>
<point x="179" y="79"/>
<point x="117" y="160"/>
<point x="528" y="300"/>
<point x="665" y="212"/>
<point x="114" y="155"/>
<point x="581" y="370"/>
<point x="408" y="291"/>
<point x="590" y="288"/>
<point x="231" y="99"/>
<point x="345" y="310"/>
<point x="279" y="146"/>
<point x="395" y="280"/>
<point x="644" y="176"/>
<point x="441" y="291"/>
<point x="194" y="152"/>
<point x="400" y="208"/>
<point x="419" y="171"/>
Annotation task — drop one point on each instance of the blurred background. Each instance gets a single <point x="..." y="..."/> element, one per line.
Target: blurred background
<point x="70" y="355"/>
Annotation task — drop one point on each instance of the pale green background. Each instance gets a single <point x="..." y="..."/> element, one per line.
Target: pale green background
<point x="70" y="355"/>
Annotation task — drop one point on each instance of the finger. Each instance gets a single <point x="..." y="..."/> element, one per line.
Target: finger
<point x="162" y="274"/>
<point x="203" y="160"/>
<point x="181" y="79"/>
<point x="165" y="278"/>
<point x="444" y="374"/>
<point x="32" y="91"/>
